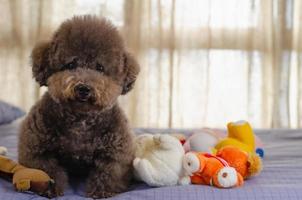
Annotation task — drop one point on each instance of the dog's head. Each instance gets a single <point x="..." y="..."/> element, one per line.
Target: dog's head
<point x="85" y="63"/>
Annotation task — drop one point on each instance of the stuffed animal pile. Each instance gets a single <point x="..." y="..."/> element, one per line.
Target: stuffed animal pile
<point x="171" y="159"/>
<point x="209" y="160"/>
<point x="240" y="134"/>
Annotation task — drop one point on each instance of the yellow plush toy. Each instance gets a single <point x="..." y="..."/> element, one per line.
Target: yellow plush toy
<point x="238" y="149"/>
<point x="240" y="135"/>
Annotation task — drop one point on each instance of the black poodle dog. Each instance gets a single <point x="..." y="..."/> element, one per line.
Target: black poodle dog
<point x="78" y="127"/>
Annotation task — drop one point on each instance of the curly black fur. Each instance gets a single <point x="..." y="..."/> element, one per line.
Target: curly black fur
<point x="72" y="130"/>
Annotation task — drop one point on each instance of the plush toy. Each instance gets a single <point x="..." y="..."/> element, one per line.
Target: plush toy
<point x="247" y="164"/>
<point x="158" y="159"/>
<point x="202" y="141"/>
<point x="240" y="135"/>
<point x="25" y="179"/>
<point x="207" y="169"/>
<point x="181" y="137"/>
<point x="3" y="151"/>
<point x="210" y="140"/>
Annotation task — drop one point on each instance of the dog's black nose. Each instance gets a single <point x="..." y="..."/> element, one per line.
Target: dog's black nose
<point x="82" y="92"/>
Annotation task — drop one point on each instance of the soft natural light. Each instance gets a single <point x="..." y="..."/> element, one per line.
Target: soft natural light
<point x="228" y="14"/>
<point x="203" y="62"/>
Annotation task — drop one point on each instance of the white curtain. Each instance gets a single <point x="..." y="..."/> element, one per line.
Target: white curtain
<point x="204" y="62"/>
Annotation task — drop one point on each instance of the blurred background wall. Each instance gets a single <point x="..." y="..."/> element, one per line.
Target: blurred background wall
<point x="204" y="62"/>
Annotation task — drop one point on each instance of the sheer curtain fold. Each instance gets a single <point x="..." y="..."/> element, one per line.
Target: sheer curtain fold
<point x="268" y="94"/>
<point x="203" y="62"/>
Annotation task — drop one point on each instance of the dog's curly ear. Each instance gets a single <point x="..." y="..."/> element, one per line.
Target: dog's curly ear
<point x="40" y="62"/>
<point x="132" y="69"/>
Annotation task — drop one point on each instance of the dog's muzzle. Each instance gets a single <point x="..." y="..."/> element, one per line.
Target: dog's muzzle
<point x="82" y="92"/>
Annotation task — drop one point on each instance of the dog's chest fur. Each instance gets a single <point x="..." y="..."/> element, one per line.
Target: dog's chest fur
<point x="80" y="138"/>
<point x="77" y="139"/>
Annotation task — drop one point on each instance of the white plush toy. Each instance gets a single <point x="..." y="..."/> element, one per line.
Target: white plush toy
<point x="158" y="159"/>
<point x="202" y="141"/>
<point x="3" y="151"/>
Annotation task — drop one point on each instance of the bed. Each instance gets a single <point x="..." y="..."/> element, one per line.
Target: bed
<point x="280" y="179"/>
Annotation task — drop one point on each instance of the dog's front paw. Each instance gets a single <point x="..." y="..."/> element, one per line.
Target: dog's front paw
<point x="52" y="191"/>
<point x="57" y="185"/>
<point x="100" y="194"/>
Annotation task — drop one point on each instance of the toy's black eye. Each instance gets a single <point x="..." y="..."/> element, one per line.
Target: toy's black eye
<point x="100" y="67"/>
<point x="71" y="65"/>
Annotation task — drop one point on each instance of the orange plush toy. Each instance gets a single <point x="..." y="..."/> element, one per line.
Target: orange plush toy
<point x="247" y="164"/>
<point x="206" y="169"/>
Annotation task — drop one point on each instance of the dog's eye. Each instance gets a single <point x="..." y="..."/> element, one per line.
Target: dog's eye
<point x="100" y="67"/>
<point x="71" y="65"/>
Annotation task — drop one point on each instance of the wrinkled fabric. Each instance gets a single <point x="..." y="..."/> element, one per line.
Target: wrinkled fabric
<point x="280" y="179"/>
<point x="9" y="113"/>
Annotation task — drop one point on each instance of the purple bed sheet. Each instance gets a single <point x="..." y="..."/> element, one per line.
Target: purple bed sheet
<point x="280" y="179"/>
